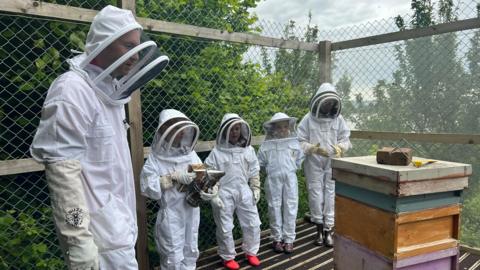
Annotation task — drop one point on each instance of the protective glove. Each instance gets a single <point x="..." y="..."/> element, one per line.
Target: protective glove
<point x="338" y="151"/>
<point x="254" y="183"/>
<point x="311" y="149"/>
<point x="77" y="255"/>
<point x="216" y="201"/>
<point x="70" y="213"/>
<point x="166" y="182"/>
<point x="321" y="151"/>
<point x="208" y="196"/>
<point x="212" y="196"/>
<point x="183" y="177"/>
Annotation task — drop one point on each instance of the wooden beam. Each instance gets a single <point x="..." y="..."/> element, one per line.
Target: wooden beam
<point x="418" y="137"/>
<point x="43" y="9"/>
<point x="18" y="166"/>
<point x="214" y="34"/>
<point x="325" y="61"/>
<point x="55" y="11"/>
<point x="408" y="34"/>
<point x="68" y="13"/>
<point x="205" y="146"/>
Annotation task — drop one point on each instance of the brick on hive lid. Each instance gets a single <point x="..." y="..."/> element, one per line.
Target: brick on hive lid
<point x="394" y="156"/>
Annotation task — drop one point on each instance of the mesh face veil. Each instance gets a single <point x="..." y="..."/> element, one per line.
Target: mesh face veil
<point x="175" y="136"/>
<point x="149" y="64"/>
<point x="145" y="59"/>
<point x="234" y="132"/>
<point x="325" y="105"/>
<point x="280" y="126"/>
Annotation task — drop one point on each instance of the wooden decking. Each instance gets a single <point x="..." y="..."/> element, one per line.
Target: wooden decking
<point x="306" y="255"/>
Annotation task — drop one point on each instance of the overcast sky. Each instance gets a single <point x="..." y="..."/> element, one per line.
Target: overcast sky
<point x="329" y="14"/>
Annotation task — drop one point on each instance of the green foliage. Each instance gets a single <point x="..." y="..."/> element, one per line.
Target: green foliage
<point x="229" y="15"/>
<point x="28" y="247"/>
<point x="34" y="53"/>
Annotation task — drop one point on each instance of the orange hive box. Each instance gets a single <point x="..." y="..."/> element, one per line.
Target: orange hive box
<point x="397" y="235"/>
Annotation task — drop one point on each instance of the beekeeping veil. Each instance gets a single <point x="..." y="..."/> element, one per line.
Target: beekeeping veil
<point x="233" y="132"/>
<point x="280" y="126"/>
<point x="325" y="103"/>
<point x="107" y="26"/>
<point x="175" y="135"/>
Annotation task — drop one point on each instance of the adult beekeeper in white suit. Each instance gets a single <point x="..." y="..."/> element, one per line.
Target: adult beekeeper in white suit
<point x="323" y="134"/>
<point x="162" y="179"/>
<point x="239" y="190"/>
<point x="281" y="156"/>
<point x="82" y="141"/>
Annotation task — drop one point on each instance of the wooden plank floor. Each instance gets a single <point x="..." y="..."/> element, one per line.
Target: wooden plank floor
<point x="305" y="256"/>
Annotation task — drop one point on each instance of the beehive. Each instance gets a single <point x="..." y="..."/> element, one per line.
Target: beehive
<point x="399" y="217"/>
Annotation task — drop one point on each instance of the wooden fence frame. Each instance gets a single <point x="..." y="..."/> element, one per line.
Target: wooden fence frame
<point x="324" y="49"/>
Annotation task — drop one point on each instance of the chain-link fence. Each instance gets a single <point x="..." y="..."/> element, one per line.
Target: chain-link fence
<point x="428" y="85"/>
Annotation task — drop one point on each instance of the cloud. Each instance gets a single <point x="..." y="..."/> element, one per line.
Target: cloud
<point x="330" y="14"/>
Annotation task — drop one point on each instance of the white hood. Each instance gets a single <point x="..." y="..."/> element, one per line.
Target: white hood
<point x="325" y="94"/>
<point x="164" y="142"/>
<point x="229" y="120"/>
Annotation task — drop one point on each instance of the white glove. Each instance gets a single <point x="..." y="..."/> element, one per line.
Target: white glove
<point x="320" y="151"/>
<point x="70" y="213"/>
<point x="256" y="194"/>
<point x="212" y="196"/>
<point x="76" y="256"/>
<point x="183" y="177"/>
<point x="166" y="182"/>
<point x="208" y="196"/>
<point x="254" y="183"/>
<point x="315" y="149"/>
<point x="216" y="201"/>
<point x="338" y="151"/>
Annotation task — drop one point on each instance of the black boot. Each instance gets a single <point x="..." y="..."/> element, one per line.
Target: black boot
<point x="319" y="237"/>
<point x="328" y="238"/>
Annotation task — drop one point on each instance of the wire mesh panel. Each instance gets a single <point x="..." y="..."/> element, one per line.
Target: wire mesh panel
<point x="27" y="232"/>
<point x="90" y="4"/>
<point x="32" y="55"/>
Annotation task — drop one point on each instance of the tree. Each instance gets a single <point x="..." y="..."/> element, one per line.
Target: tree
<point x="429" y="73"/>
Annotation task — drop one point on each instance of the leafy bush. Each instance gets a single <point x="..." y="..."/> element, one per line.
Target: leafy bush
<point x="26" y="240"/>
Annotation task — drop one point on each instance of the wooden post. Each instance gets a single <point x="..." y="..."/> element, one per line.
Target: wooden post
<point x="135" y="138"/>
<point x="325" y="61"/>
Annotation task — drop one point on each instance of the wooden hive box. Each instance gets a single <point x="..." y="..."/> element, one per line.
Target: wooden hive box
<point x="349" y="255"/>
<point x="397" y="235"/>
<point x="398" y="204"/>
<point x="399" y="181"/>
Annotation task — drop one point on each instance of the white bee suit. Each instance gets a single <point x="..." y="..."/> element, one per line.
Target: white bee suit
<point x="281" y="158"/>
<point x="240" y="164"/>
<point x="82" y="139"/>
<point x="176" y="228"/>
<point x="325" y="132"/>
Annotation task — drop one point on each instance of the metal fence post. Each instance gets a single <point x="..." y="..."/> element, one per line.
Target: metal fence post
<point x="325" y="61"/>
<point x="135" y="138"/>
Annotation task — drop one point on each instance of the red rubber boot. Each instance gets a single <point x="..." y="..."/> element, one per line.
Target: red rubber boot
<point x="253" y="260"/>
<point x="231" y="264"/>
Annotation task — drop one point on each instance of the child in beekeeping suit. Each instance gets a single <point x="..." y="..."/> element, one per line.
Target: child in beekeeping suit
<point x="239" y="190"/>
<point x="281" y="156"/>
<point x="323" y="134"/>
<point x="164" y="173"/>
